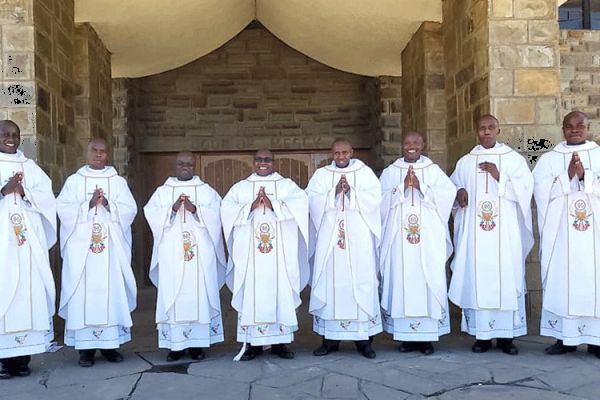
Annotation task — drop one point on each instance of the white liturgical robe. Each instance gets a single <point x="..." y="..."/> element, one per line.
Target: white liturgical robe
<point x="268" y="263"/>
<point x="414" y="296"/>
<point x="492" y="237"/>
<point x="27" y="232"/>
<point x="569" y="234"/>
<point x="188" y="264"/>
<point x="344" y="299"/>
<point x="98" y="290"/>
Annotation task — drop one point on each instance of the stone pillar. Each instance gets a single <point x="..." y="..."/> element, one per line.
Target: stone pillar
<point x="18" y="99"/>
<point x="423" y="95"/>
<point x="502" y="57"/>
<point x="524" y="73"/>
<point x="123" y="125"/>
<point x="93" y="92"/>
<point x="53" y="28"/>
<point x="390" y="120"/>
<point x="466" y="54"/>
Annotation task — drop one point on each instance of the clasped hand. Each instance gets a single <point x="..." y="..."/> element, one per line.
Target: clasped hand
<point x="411" y="180"/>
<point x="14" y="185"/>
<point x="183" y="200"/>
<point x="261" y="199"/>
<point x="342" y="186"/>
<point x="491" y="169"/>
<point x="98" y="198"/>
<point x="576" y="167"/>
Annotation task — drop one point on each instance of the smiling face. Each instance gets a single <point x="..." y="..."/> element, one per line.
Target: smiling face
<point x="412" y="146"/>
<point x="575" y="128"/>
<point x="10" y="137"/>
<point x="185" y="164"/>
<point x="97" y="154"/>
<point x="341" y="152"/>
<point x="487" y="131"/>
<point x="263" y="163"/>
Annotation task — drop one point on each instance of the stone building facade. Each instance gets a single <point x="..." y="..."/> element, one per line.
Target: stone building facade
<point x="506" y="57"/>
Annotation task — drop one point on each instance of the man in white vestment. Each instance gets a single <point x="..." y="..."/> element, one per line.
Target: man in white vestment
<point x="98" y="291"/>
<point x="567" y="194"/>
<point x="345" y="199"/>
<point x="188" y="261"/>
<point x="492" y="237"/>
<point x="265" y="220"/>
<point x="27" y="232"/>
<point x="416" y="205"/>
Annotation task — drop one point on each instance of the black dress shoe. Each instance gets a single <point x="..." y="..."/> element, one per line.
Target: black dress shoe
<point x="19" y="366"/>
<point x="251" y="353"/>
<point x="21" y="371"/>
<point x="325" y="349"/>
<point x="594" y="349"/>
<point x="481" y="346"/>
<point x="5" y="372"/>
<point x="426" y="348"/>
<point x="197" y="353"/>
<point x="111" y="355"/>
<point x="507" y="346"/>
<point x="86" y="357"/>
<point x="282" y="351"/>
<point x="368" y="352"/>
<point x="407" y="347"/>
<point x="560" y="348"/>
<point x="175" y="355"/>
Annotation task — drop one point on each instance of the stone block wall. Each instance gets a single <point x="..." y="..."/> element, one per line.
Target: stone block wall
<point x="466" y="53"/>
<point x="388" y="97"/>
<point x="580" y="74"/>
<point x="123" y="107"/>
<point x="423" y="94"/>
<point x="253" y="92"/>
<point x="55" y="116"/>
<point x="17" y="82"/>
<point x="92" y="92"/>
<point x="524" y="80"/>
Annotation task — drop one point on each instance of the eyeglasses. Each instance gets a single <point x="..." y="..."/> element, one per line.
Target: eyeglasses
<point x="263" y="159"/>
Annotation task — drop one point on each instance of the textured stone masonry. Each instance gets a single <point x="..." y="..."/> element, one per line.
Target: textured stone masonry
<point x="253" y="92"/>
<point x="580" y="74"/>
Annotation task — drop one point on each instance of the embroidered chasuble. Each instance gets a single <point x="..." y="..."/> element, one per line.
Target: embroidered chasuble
<point x="492" y="237"/>
<point x="27" y="231"/>
<point x="98" y="287"/>
<point x="414" y="297"/>
<point x="268" y="264"/>
<point x="570" y="235"/>
<point x="188" y="264"/>
<point x="347" y="229"/>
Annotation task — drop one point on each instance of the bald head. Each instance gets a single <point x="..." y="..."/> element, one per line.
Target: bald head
<point x="263" y="162"/>
<point x="342" y="152"/>
<point x="575" y="127"/>
<point x="487" y="117"/>
<point x="97" y="153"/>
<point x="7" y="123"/>
<point x="412" y="146"/>
<point x="10" y="136"/>
<point x="185" y="166"/>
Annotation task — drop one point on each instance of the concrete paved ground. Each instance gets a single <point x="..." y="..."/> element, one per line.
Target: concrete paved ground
<point x="452" y="372"/>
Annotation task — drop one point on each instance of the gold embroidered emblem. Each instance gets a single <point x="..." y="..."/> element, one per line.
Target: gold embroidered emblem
<point x="581" y="216"/>
<point x="97" y="245"/>
<point x="188" y="246"/>
<point x="341" y="243"/>
<point x="20" y="231"/>
<point x="413" y="229"/>
<point x="265" y="238"/>
<point x="487" y="215"/>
